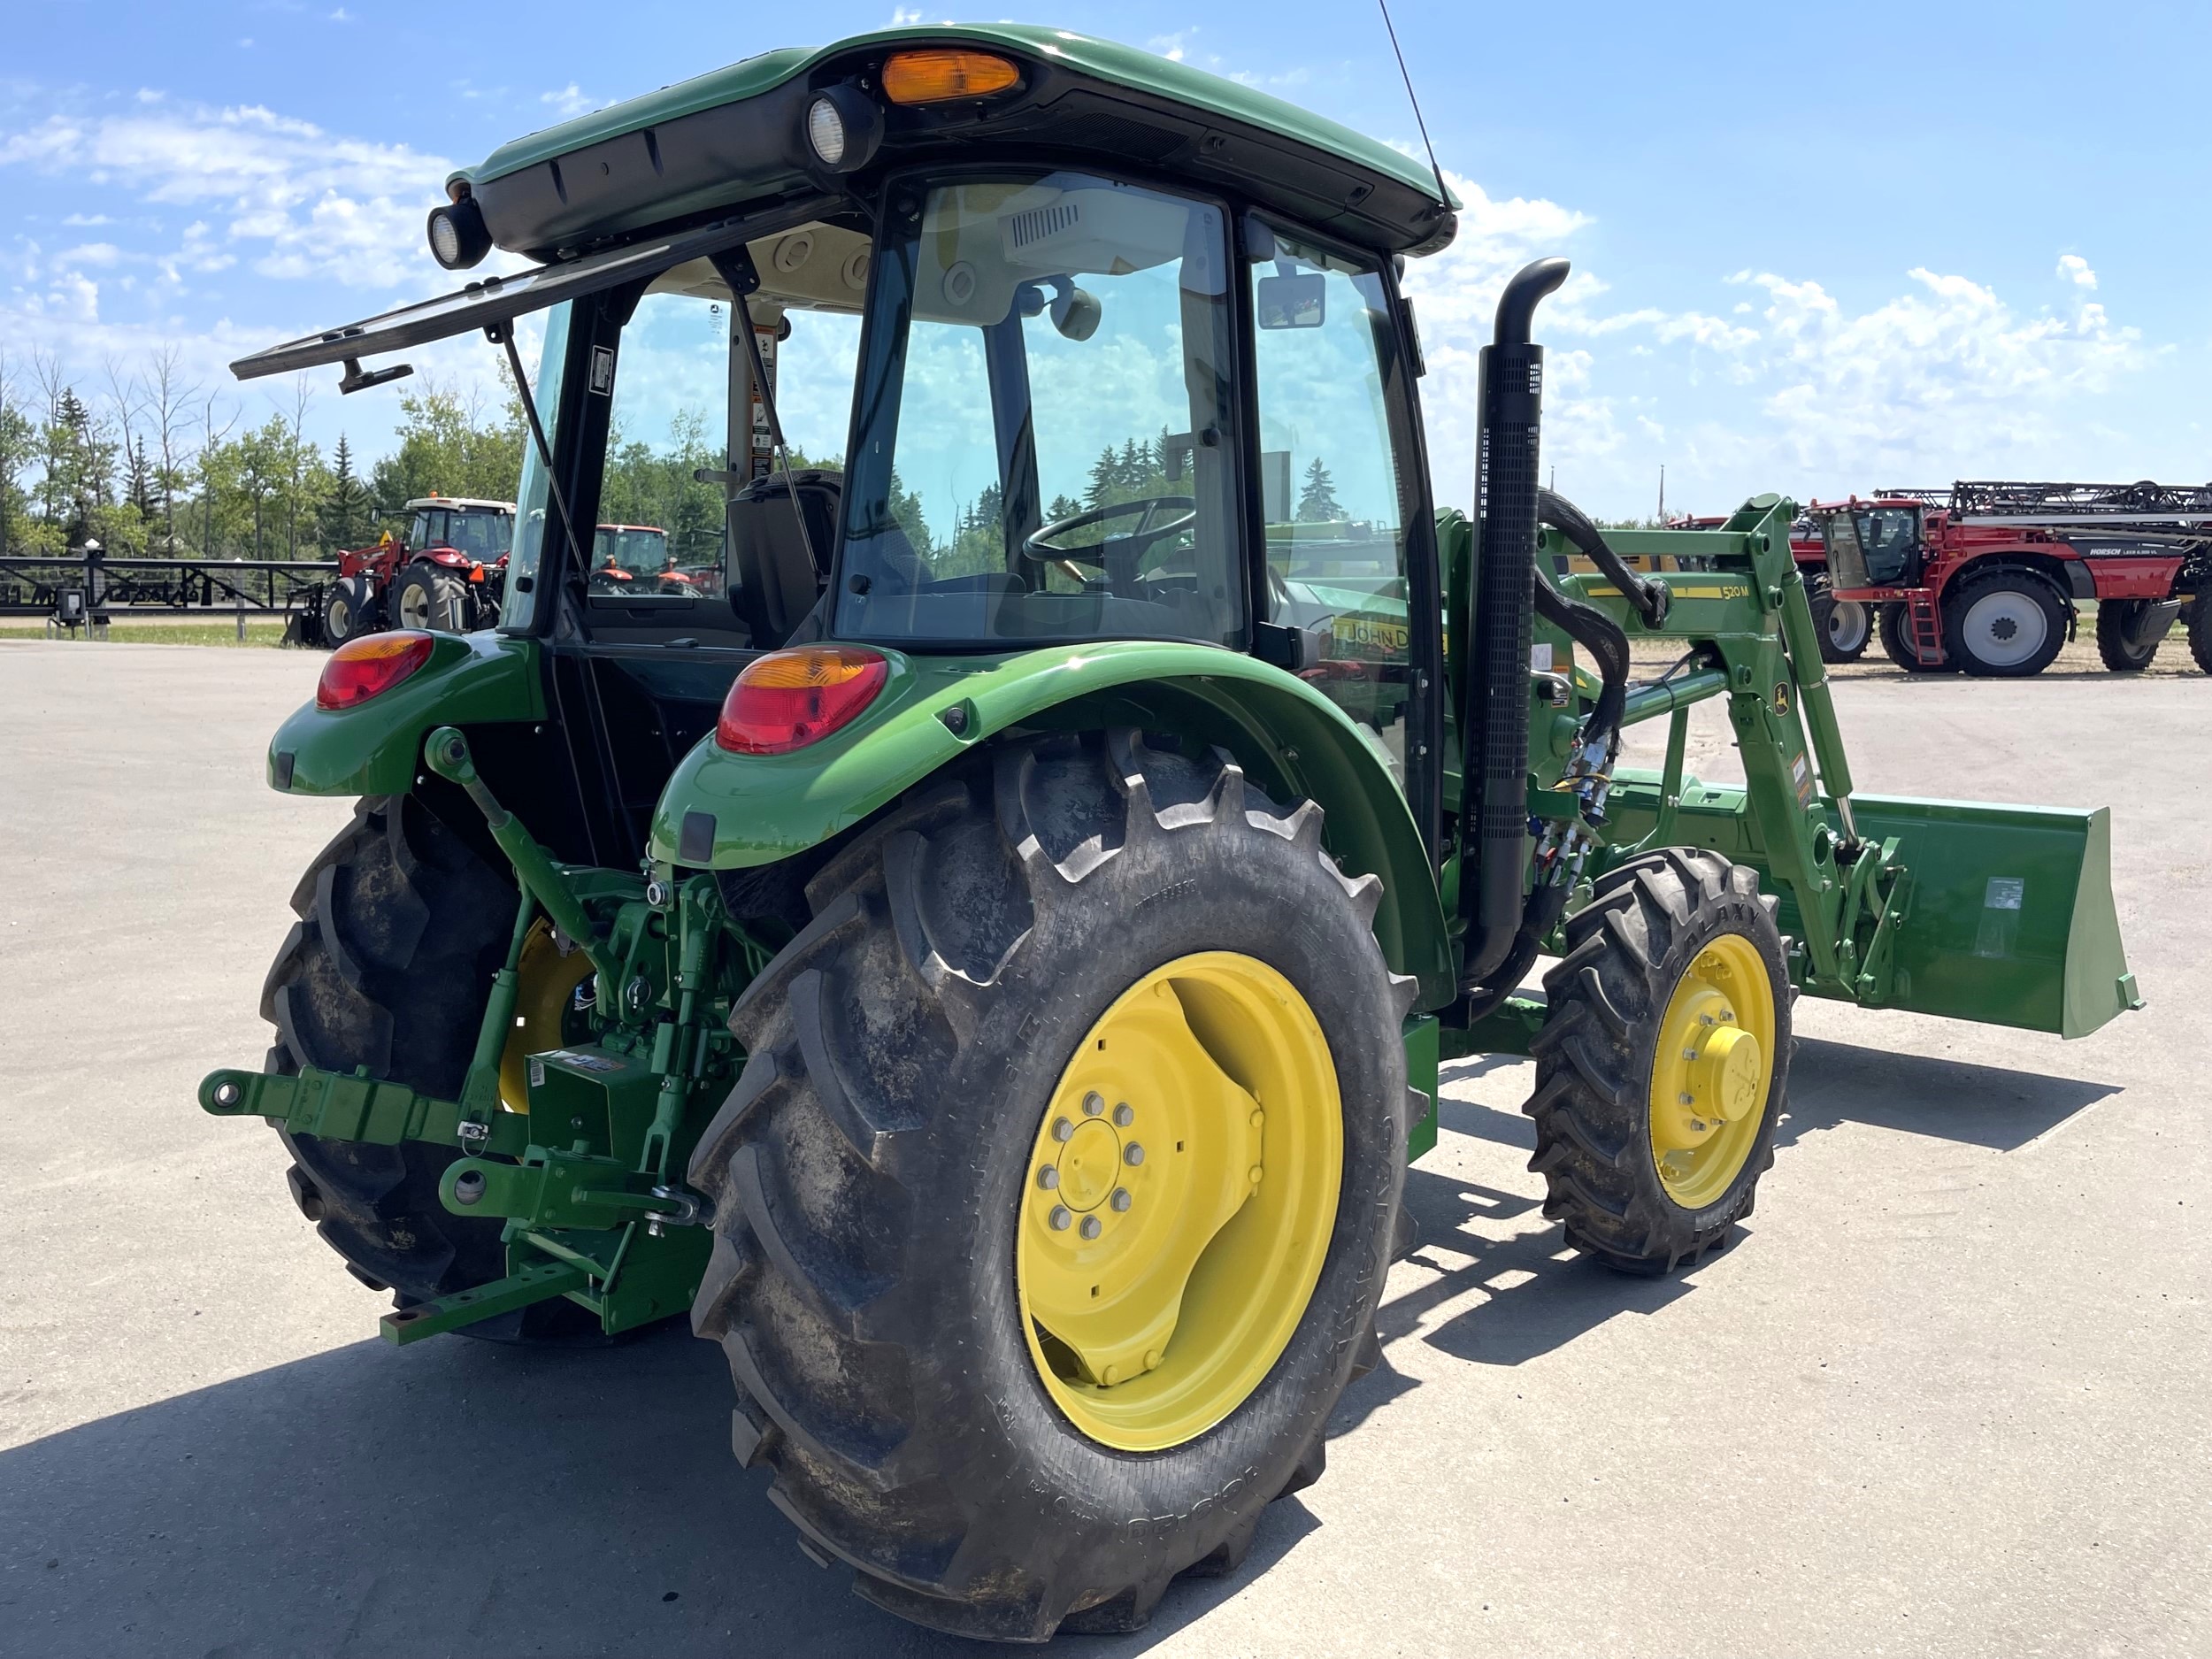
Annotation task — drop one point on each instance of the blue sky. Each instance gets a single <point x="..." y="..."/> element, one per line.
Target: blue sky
<point x="1817" y="248"/>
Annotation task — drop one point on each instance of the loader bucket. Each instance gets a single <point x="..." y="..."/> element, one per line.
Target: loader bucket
<point x="2011" y="920"/>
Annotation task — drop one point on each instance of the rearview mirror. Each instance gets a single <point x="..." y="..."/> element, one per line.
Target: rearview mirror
<point x="1291" y="302"/>
<point x="1076" y="313"/>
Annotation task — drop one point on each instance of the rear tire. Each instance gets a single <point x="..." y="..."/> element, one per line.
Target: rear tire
<point x="401" y="928"/>
<point x="871" y="1176"/>
<point x="1614" y="996"/>
<point x="350" y="610"/>
<point x="2005" y="625"/>
<point x="432" y="597"/>
<point x="1895" y="628"/>
<point x="2201" y="628"/>
<point x="2117" y="621"/>
<point x="1844" y="628"/>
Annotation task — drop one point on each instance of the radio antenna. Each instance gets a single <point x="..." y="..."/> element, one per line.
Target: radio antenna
<point x="1443" y="196"/>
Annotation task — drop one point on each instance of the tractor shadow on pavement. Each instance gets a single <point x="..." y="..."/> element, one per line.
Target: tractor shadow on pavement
<point x="1536" y="1295"/>
<point x="451" y="1498"/>
<point x="1835" y="1083"/>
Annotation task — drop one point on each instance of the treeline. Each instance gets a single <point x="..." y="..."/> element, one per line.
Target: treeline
<point x="150" y="463"/>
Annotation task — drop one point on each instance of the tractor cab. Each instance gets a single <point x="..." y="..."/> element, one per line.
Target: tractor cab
<point x="479" y="532"/>
<point x="1872" y="544"/>
<point x="1003" y="344"/>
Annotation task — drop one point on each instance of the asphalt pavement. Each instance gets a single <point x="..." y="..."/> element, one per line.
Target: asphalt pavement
<point x="1946" y="1392"/>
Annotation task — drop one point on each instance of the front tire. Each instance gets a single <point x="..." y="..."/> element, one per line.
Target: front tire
<point x="873" y="1184"/>
<point x="1662" y="1065"/>
<point x="2005" y="625"/>
<point x="1844" y="628"/>
<point x="350" y="610"/>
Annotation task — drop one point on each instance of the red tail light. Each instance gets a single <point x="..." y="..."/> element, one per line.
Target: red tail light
<point x="788" y="699"/>
<point x="369" y="666"/>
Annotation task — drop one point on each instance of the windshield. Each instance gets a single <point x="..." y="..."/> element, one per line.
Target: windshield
<point x="1045" y="442"/>
<point x="481" y="534"/>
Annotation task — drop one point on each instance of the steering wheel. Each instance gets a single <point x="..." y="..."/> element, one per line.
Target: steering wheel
<point x="1126" y="550"/>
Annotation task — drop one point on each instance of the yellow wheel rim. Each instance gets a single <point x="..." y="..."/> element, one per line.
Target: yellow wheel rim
<point x="1178" y="1200"/>
<point x="1711" y="1071"/>
<point x="545" y="1017"/>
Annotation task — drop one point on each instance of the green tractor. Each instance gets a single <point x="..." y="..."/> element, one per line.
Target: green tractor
<point x="984" y="950"/>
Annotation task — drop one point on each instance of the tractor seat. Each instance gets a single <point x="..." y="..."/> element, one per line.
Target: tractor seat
<point x="773" y="581"/>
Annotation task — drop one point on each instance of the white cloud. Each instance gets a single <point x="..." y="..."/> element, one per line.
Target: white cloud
<point x="1791" y="390"/>
<point x="904" y="17"/>
<point x="1172" y="47"/>
<point x="569" y="100"/>
<point x="308" y="202"/>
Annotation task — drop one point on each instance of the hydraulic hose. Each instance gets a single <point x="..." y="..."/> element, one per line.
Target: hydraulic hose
<point x="1649" y="598"/>
<point x="1606" y="641"/>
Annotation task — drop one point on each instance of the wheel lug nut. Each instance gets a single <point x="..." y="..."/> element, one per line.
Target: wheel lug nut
<point x="1152" y="1358"/>
<point x="1110" y="1375"/>
<point x="1093" y="1104"/>
<point x="1132" y="1153"/>
<point x="1120" y="1200"/>
<point x="1090" y="1228"/>
<point x="1062" y="1129"/>
<point x="1255" y="1175"/>
<point x="1049" y="1177"/>
<point x="1688" y="1099"/>
<point x="1123" y="1116"/>
<point x="1060" y="1219"/>
<point x="1258" y="1117"/>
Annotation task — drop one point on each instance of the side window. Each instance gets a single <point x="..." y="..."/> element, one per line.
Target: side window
<point x="1329" y="487"/>
<point x="698" y="530"/>
<point x="426" y="531"/>
<point x="669" y="426"/>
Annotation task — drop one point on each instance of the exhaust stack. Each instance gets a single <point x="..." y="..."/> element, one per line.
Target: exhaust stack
<point x="1493" y="836"/>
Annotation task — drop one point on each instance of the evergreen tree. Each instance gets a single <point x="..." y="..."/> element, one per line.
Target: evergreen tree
<point x="345" y="509"/>
<point x="1317" y="498"/>
<point x="1105" y="477"/>
<point x="139" y="490"/>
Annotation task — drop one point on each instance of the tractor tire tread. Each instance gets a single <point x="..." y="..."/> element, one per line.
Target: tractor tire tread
<point x="829" y="1283"/>
<point x="1594" y="1060"/>
<point x="400" y="929"/>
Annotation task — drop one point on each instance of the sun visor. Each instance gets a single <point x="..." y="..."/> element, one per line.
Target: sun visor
<point x="493" y="300"/>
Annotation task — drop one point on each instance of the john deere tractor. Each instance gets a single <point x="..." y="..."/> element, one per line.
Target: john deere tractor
<point x="985" y="954"/>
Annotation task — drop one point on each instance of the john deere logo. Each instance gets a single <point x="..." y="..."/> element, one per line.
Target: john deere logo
<point x="1781" y="699"/>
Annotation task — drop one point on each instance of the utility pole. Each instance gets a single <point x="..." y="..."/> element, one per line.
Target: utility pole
<point x="1662" y="493"/>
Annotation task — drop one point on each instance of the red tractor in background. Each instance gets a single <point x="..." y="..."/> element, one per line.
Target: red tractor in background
<point x="448" y="571"/>
<point x="1987" y="577"/>
<point x="635" y="558"/>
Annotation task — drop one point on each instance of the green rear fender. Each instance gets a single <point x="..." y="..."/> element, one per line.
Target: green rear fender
<point x="470" y="680"/>
<point x="730" y="810"/>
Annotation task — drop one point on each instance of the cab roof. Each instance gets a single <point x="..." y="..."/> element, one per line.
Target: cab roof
<point x="733" y="136"/>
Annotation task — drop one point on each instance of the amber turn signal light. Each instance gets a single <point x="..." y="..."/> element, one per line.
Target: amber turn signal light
<point x="788" y="699"/>
<point x="941" y="74"/>
<point x="370" y="666"/>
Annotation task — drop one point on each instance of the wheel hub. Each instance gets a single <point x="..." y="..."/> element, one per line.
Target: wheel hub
<point x="2006" y="626"/>
<point x="1162" y="1265"/>
<point x="1710" y="1072"/>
